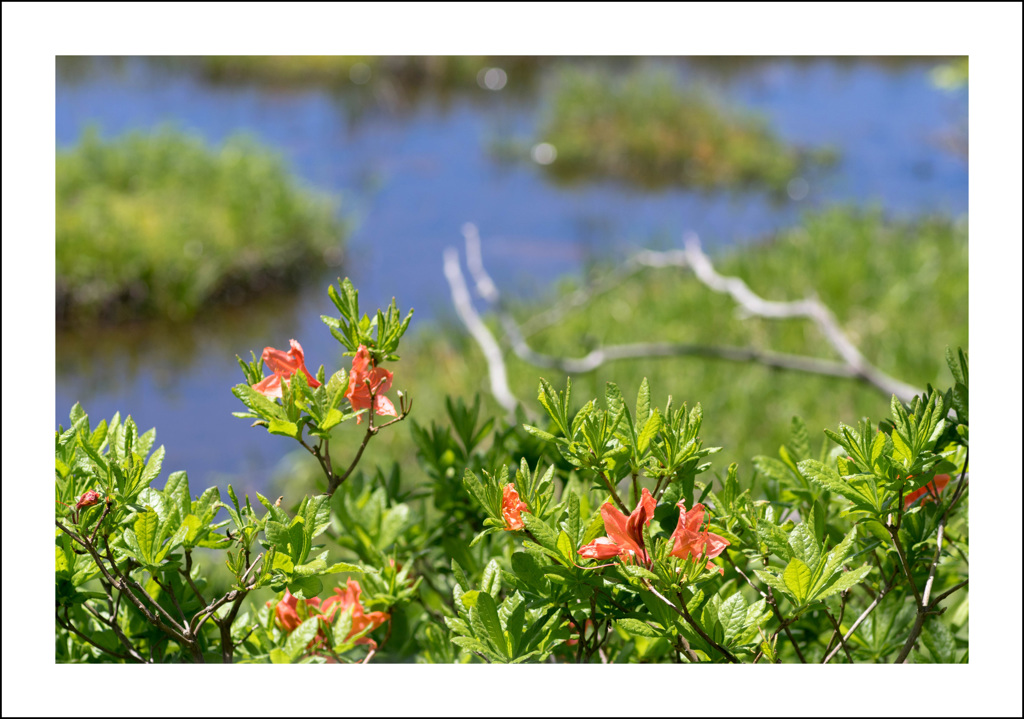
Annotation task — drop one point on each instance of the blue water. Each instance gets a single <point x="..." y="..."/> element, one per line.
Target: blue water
<point x="413" y="176"/>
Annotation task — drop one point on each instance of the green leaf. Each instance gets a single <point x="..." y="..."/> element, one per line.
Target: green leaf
<point x="176" y="496"/>
<point x="477" y="490"/>
<point x="639" y="572"/>
<point x="799" y="439"/>
<point x="549" y="399"/>
<point x="515" y="622"/>
<point x="775" y="538"/>
<point x="824" y="476"/>
<point x="490" y="530"/>
<point x="640" y="629"/>
<point x="733" y="615"/>
<point x="317" y="516"/>
<point x="565" y="547"/>
<point x="651" y="428"/>
<point x="804" y="545"/>
<point x="284" y="428"/>
<point x="460" y="576"/>
<point x="342" y="627"/>
<point x="539" y="433"/>
<point x="299" y="639"/>
<point x="643" y="403"/>
<point x="835" y="558"/>
<point x="572" y="523"/>
<point x="311" y="569"/>
<point x="475" y="645"/>
<point x="844" y="580"/>
<point x="305" y="588"/>
<point x="901" y="451"/>
<point x="146" y="526"/>
<point x="484" y="619"/>
<point x="192" y="525"/>
<point x="797" y="577"/>
<point x="490" y="582"/>
<point x="153" y="467"/>
<point x="259" y="404"/>
<point x="542" y="532"/>
<point x="939" y="640"/>
<point x="617" y="405"/>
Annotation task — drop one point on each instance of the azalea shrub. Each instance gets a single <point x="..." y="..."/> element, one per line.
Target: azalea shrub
<point x="602" y="533"/>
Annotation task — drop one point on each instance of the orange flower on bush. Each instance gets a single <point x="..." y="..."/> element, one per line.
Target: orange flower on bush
<point x="88" y="499"/>
<point x="283" y="365"/>
<point x="360" y="619"/>
<point x="359" y="392"/>
<point x="625" y="534"/>
<point x="287" y="617"/>
<point x="691" y="540"/>
<point x="285" y="613"/>
<point x="511" y="507"/>
<point x="930" y="491"/>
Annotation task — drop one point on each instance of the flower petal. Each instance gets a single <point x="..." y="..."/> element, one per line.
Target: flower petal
<point x="600" y="548"/>
<point x="269" y="386"/>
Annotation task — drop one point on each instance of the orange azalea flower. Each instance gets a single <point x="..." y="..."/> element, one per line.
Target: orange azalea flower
<point x="625" y="534"/>
<point x="283" y="365"/>
<point x="285" y="614"/>
<point x="360" y="619"/>
<point x="511" y="507"/>
<point x="287" y="617"/>
<point x="930" y="491"/>
<point x="691" y="540"/>
<point x="88" y="499"/>
<point x="379" y="379"/>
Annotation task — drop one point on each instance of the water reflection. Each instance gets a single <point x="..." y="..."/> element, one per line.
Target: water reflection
<point x="412" y="156"/>
<point x="101" y="359"/>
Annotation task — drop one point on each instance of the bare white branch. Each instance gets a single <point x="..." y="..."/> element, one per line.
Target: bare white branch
<point x="810" y="308"/>
<point x="468" y="314"/>
<point x="853" y="364"/>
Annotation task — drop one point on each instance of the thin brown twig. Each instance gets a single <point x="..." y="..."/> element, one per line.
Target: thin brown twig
<point x="68" y="626"/>
<point x="125" y="586"/>
<point x="783" y="623"/>
<point x="948" y="592"/>
<point x="685" y="614"/>
<point x="839" y="633"/>
<point x="878" y="598"/>
<point x="615" y="494"/>
<point x="112" y="623"/>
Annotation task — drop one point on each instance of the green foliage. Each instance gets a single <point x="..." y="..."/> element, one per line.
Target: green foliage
<point x="162" y="225"/>
<point x="622" y="554"/>
<point x="643" y="129"/>
<point x="125" y="559"/>
<point x="380" y="335"/>
<point x="854" y="261"/>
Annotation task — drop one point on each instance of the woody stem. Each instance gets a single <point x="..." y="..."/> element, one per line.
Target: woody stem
<point x="615" y="495"/>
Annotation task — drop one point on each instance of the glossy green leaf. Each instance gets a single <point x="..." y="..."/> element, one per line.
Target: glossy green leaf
<point x="640" y="629"/>
<point x="485" y="622"/>
<point x="797" y="578"/>
<point x="146" y="526"/>
<point x="845" y="580"/>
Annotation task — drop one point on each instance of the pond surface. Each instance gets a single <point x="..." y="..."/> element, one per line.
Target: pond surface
<point x="414" y="172"/>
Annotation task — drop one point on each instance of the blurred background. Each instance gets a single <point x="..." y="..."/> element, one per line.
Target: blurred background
<point x="205" y="203"/>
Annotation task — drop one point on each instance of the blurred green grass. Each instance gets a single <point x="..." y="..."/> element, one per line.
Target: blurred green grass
<point x="641" y="128"/>
<point x="161" y="224"/>
<point x="439" y="72"/>
<point x="898" y="287"/>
